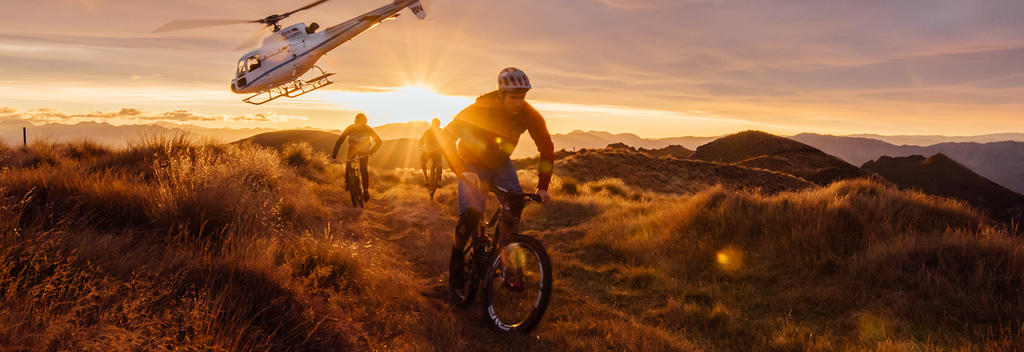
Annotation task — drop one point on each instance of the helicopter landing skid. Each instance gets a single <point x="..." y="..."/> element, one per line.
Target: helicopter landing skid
<point x="291" y="90"/>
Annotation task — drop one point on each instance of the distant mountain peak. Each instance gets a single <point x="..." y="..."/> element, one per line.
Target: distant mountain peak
<point x="941" y="175"/>
<point x="770" y="152"/>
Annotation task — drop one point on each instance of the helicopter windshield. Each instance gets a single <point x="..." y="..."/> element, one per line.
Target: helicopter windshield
<point x="241" y="68"/>
<point x="253" y="62"/>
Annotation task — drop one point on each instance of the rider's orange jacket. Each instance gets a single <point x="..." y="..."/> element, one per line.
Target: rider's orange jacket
<point x="488" y="134"/>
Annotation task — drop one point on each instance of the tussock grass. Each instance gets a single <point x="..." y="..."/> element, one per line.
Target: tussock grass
<point x="175" y="244"/>
<point x="855" y="265"/>
<point x="171" y="244"/>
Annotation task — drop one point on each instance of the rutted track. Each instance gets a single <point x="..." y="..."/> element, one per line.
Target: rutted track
<point x="416" y="234"/>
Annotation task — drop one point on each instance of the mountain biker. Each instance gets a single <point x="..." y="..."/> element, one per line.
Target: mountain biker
<point x="430" y="147"/>
<point x="362" y="142"/>
<point x="488" y="131"/>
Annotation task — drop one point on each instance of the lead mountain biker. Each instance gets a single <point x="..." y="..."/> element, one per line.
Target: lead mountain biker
<point x="430" y="147"/>
<point x="362" y="142"/>
<point x="488" y="131"/>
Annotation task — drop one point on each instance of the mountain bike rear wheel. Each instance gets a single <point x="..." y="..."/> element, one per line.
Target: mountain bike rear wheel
<point x="515" y="300"/>
<point x="354" y="188"/>
<point x="435" y="178"/>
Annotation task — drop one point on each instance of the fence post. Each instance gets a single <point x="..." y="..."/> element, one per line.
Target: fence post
<point x="24" y="136"/>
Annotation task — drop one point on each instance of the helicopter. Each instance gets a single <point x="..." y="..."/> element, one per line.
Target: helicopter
<point x="274" y="69"/>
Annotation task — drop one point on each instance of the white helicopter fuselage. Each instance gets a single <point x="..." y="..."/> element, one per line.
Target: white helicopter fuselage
<point x="292" y="51"/>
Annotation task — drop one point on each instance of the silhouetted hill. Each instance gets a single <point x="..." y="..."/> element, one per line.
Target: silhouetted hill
<point x="114" y="135"/>
<point x="668" y="174"/>
<point x="578" y="139"/>
<point x="399" y="130"/>
<point x="320" y="141"/>
<point x="674" y="151"/>
<point x="766" y="151"/>
<point x="393" y="153"/>
<point x="942" y="176"/>
<point x="926" y="140"/>
<point x="1001" y="162"/>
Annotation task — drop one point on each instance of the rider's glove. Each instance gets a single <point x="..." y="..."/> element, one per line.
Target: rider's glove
<point x="471" y="178"/>
<point x="544" y="196"/>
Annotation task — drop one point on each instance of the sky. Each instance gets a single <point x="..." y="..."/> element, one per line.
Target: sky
<point x="656" y="68"/>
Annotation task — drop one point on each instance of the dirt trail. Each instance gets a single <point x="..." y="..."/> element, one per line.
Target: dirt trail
<point x="416" y="234"/>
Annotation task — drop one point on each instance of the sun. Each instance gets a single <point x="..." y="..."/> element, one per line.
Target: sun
<point x="400" y="104"/>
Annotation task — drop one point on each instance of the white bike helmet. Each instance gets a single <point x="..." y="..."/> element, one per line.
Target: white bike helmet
<point x="513" y="79"/>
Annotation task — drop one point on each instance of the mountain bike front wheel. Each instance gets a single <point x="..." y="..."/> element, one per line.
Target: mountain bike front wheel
<point x="516" y="295"/>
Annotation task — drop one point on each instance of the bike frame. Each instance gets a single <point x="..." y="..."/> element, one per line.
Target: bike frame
<point x="492" y="238"/>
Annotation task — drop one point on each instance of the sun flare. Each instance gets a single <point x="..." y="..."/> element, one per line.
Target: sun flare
<point x="398" y="104"/>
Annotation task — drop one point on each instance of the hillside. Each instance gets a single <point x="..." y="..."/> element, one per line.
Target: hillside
<point x="765" y="151"/>
<point x="115" y="136"/>
<point x="940" y="175"/>
<point x="669" y="174"/>
<point x="393" y="153"/>
<point x="1001" y="162"/>
<point x="174" y="245"/>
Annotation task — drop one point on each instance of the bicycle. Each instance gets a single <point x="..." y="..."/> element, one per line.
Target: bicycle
<point x="352" y="181"/>
<point x="510" y="306"/>
<point x="434" y="177"/>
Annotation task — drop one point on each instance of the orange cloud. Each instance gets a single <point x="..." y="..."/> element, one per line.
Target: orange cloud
<point x="49" y="115"/>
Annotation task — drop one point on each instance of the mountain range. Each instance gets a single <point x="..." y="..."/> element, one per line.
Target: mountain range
<point x="1001" y="162"/>
<point x="998" y="157"/>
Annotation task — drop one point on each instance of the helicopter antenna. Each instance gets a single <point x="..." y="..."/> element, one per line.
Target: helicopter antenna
<point x="269" y="21"/>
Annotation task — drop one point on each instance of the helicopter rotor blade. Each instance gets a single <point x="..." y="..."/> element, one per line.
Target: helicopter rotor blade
<point x="178" y="25"/>
<point x="253" y="40"/>
<point x="318" y="2"/>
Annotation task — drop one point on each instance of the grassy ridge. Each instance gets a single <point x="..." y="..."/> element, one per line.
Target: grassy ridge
<point x="805" y="270"/>
<point x="171" y="244"/>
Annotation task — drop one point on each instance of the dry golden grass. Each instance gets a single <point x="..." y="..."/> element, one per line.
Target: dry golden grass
<point x="176" y="245"/>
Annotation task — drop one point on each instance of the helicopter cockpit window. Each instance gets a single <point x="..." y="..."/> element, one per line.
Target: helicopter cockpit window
<point x="241" y="68"/>
<point x="253" y="62"/>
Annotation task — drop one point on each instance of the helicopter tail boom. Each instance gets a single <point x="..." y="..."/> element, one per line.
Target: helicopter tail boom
<point x="417" y="9"/>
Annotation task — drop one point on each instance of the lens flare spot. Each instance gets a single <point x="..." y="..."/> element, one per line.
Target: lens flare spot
<point x="729" y="258"/>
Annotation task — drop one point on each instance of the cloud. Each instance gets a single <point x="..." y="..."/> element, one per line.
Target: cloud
<point x="647" y="4"/>
<point x="49" y="115"/>
<point x="137" y="77"/>
<point x="764" y="60"/>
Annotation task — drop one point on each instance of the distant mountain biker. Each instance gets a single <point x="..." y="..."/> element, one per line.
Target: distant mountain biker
<point x="488" y="131"/>
<point x="362" y="142"/>
<point x="430" y="147"/>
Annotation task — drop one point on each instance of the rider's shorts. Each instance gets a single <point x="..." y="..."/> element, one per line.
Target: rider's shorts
<point x="473" y="198"/>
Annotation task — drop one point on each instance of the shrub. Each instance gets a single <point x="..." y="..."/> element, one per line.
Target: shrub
<point x="569" y="188"/>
